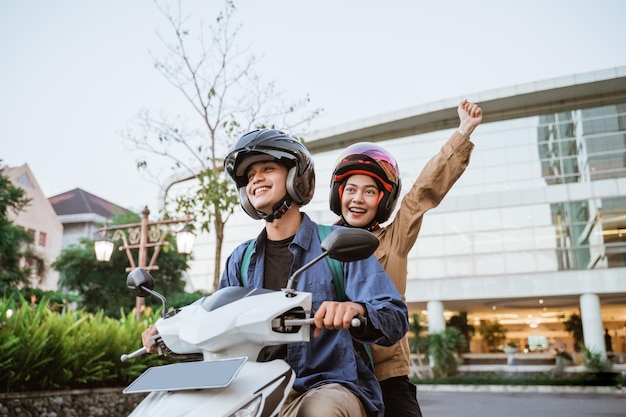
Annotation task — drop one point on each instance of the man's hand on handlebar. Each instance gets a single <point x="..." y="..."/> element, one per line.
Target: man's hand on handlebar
<point x="334" y="315"/>
<point x="147" y="338"/>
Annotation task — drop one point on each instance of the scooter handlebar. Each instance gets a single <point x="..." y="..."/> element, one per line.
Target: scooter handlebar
<point x="356" y="322"/>
<point x="138" y="352"/>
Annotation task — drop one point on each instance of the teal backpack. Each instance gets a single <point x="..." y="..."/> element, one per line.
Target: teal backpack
<point x="335" y="268"/>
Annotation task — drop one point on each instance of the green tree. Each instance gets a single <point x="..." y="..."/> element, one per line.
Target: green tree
<point x="467" y="330"/>
<point x="574" y="325"/>
<point x="493" y="333"/>
<point x="217" y="79"/>
<point x="103" y="285"/>
<point x="15" y="244"/>
<point x="418" y="343"/>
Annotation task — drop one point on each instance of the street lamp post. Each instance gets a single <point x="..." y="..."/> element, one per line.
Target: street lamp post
<point x="142" y="236"/>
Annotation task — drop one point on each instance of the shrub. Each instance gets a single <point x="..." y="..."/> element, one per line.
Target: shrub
<point x="41" y="349"/>
<point x="596" y="362"/>
<point x="441" y="348"/>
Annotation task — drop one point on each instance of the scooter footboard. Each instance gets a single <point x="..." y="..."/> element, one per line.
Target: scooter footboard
<point x="187" y="376"/>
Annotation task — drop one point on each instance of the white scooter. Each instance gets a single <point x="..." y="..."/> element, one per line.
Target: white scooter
<point x="223" y="334"/>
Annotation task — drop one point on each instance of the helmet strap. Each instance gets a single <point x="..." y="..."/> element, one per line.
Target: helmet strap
<point x="372" y="227"/>
<point x="279" y="210"/>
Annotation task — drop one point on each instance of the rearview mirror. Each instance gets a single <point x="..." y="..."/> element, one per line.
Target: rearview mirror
<point x="138" y="280"/>
<point x="344" y="244"/>
<point x="350" y="244"/>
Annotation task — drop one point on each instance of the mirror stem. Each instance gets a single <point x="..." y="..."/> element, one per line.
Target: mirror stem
<point x="160" y="297"/>
<point x="290" y="291"/>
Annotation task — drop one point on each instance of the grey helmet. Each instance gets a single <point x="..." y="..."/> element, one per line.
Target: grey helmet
<point x="272" y="145"/>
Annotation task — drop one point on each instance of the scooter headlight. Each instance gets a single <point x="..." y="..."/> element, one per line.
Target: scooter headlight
<point x="249" y="410"/>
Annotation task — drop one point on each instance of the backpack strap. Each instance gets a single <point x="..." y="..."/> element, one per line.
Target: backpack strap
<point x="245" y="262"/>
<point x="340" y="288"/>
<point x="335" y="266"/>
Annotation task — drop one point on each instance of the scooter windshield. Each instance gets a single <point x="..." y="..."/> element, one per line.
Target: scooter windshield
<point x="227" y="295"/>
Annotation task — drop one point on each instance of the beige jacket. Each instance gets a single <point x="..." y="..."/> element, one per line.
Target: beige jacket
<point x="399" y="236"/>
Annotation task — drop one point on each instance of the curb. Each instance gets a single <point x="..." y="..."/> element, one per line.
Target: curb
<point x="543" y="389"/>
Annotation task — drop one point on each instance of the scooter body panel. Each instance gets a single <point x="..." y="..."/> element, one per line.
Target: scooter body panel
<point x="269" y="380"/>
<point x="241" y="328"/>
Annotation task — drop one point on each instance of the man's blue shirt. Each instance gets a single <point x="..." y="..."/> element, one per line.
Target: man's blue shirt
<point x="331" y="357"/>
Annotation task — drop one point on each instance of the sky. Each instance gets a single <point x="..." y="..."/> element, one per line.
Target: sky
<point x="74" y="74"/>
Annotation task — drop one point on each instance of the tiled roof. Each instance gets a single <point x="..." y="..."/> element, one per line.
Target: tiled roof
<point x="79" y="201"/>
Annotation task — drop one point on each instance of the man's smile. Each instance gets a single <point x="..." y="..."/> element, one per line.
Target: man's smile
<point x="260" y="190"/>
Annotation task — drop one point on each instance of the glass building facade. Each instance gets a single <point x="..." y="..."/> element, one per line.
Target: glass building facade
<point x="517" y="166"/>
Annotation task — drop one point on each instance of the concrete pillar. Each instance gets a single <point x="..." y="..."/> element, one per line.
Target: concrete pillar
<point x="436" y="321"/>
<point x="591" y="316"/>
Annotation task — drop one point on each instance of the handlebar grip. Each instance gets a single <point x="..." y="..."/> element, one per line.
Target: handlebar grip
<point x="356" y="322"/>
<point x="138" y="352"/>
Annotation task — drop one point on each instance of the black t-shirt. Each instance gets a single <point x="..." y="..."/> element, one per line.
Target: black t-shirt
<point x="278" y="263"/>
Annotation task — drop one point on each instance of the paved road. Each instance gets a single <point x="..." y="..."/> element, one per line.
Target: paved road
<point x="520" y="404"/>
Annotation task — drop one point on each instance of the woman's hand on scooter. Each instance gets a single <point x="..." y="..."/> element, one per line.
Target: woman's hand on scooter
<point x="147" y="339"/>
<point x="334" y="315"/>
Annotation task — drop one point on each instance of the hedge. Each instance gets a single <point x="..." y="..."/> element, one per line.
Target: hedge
<point x="42" y="348"/>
